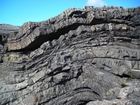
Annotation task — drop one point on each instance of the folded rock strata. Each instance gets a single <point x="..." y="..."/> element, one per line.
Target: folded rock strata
<point x="82" y="56"/>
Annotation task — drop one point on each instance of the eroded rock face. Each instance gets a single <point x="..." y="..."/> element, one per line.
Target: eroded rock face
<point x="83" y="56"/>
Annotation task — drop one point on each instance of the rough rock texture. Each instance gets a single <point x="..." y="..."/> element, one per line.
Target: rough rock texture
<point x="5" y="30"/>
<point x="82" y="56"/>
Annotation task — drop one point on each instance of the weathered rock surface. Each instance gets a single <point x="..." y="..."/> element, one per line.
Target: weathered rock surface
<point x="82" y="56"/>
<point x="5" y="30"/>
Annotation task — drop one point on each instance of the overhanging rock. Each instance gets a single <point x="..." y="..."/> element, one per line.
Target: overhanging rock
<point x="33" y="34"/>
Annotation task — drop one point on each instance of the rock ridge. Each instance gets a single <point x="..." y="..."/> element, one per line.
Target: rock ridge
<point x="70" y="20"/>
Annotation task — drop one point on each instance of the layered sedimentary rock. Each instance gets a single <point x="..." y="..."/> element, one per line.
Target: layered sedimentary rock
<point x="82" y="56"/>
<point x="5" y="30"/>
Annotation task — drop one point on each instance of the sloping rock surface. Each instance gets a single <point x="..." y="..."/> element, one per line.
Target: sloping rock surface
<point x="82" y="56"/>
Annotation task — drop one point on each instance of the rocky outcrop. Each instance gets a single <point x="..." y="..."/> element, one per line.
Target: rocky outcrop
<point x="82" y="56"/>
<point x="5" y="30"/>
<point x="106" y="18"/>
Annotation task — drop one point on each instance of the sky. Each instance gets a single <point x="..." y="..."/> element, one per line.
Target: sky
<point x="17" y="12"/>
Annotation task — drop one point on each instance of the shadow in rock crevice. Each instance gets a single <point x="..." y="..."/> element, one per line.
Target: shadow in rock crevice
<point x="44" y="38"/>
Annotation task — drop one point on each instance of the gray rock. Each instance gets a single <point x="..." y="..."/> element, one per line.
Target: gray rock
<point x="113" y="102"/>
<point x="135" y="73"/>
<point x="82" y="56"/>
<point x="7" y="28"/>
